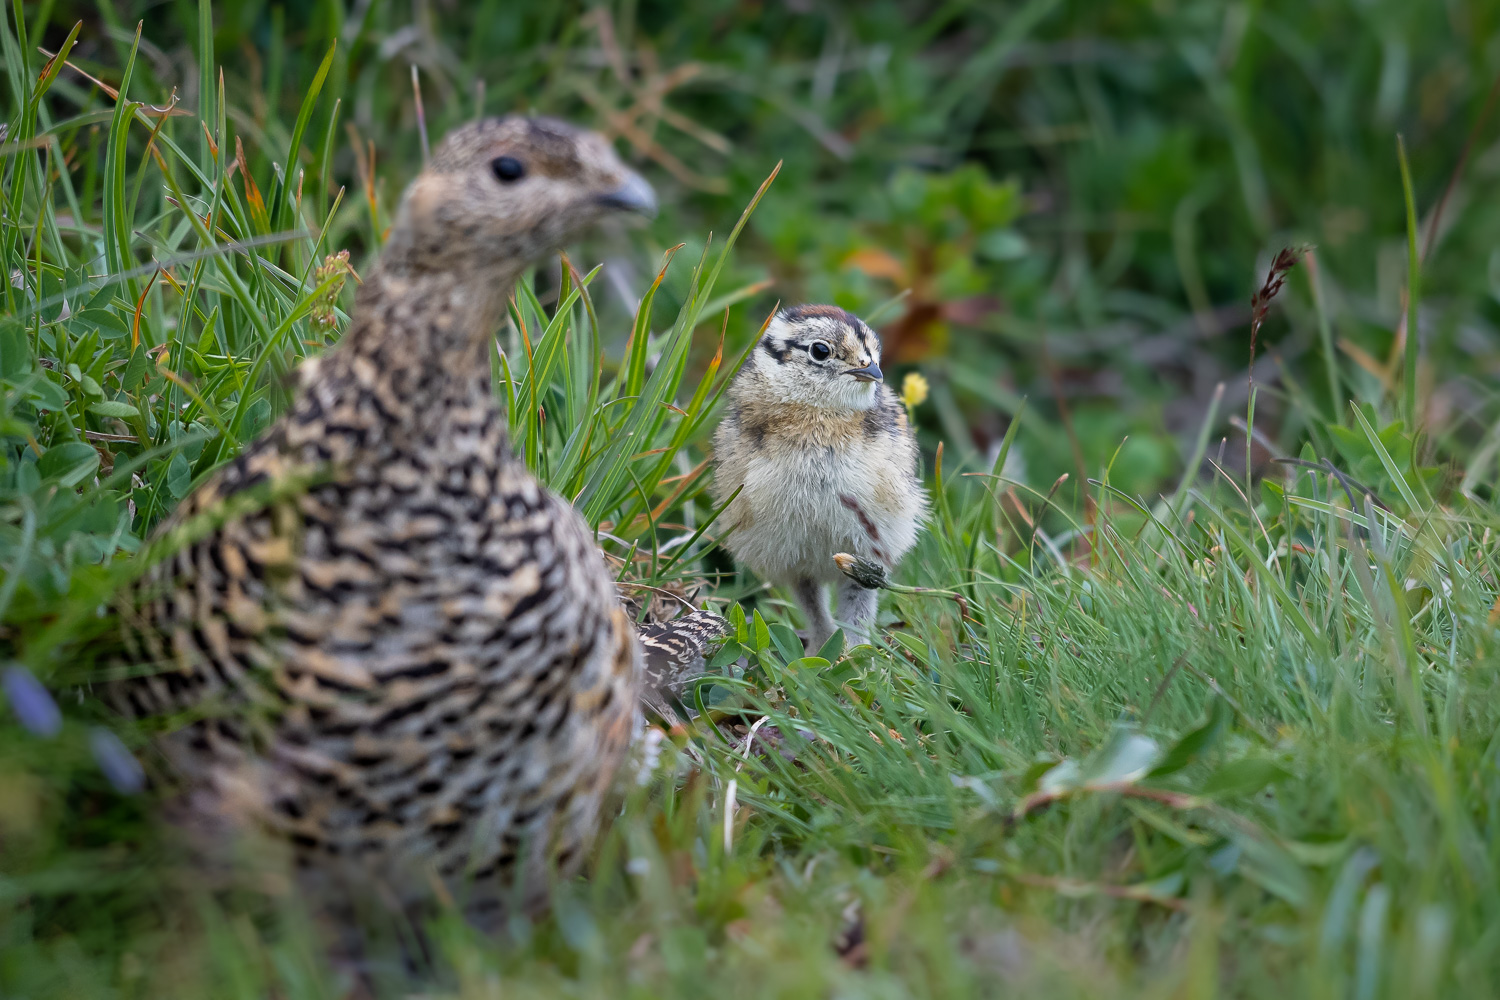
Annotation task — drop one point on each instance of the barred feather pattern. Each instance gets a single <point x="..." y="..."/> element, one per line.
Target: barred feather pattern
<point x="674" y="656"/>
<point x="417" y="663"/>
<point x="427" y="640"/>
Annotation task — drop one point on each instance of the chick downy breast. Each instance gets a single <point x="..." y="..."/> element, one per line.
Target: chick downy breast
<point x="799" y="506"/>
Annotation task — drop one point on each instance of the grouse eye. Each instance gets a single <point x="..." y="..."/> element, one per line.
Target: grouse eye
<point x="819" y="351"/>
<point x="508" y="169"/>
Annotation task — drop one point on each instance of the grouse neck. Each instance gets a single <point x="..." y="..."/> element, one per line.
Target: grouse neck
<point x="428" y="319"/>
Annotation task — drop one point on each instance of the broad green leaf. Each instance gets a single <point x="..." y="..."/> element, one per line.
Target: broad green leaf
<point x="1239" y="778"/>
<point x="1126" y="757"/>
<point x="1065" y="776"/>
<point x="113" y="408"/>
<point x="179" y="476"/>
<point x="109" y="324"/>
<point x="15" y="349"/>
<point x="762" y="634"/>
<point x="834" y="647"/>
<point x="136" y="369"/>
<point x="69" y="463"/>
<point x="786" y="642"/>
<point x="726" y="654"/>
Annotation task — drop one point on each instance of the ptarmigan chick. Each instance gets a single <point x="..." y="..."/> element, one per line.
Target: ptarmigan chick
<point x="414" y="663"/>
<point x="827" y="462"/>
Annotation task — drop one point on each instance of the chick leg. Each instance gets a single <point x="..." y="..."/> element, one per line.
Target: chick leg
<point x="857" y="609"/>
<point x="814" y="601"/>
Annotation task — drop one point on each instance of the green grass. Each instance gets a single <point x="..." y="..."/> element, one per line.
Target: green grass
<point x="1210" y="724"/>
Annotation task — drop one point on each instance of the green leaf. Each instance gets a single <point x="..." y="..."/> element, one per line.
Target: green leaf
<point x="109" y="324"/>
<point x="786" y="642"/>
<point x="834" y="647"/>
<point x="1269" y="865"/>
<point x="1166" y="887"/>
<point x="116" y="220"/>
<point x="762" y="634"/>
<point x="1350" y="444"/>
<point x="1197" y="742"/>
<point x="114" y="408"/>
<point x="304" y="114"/>
<point x="257" y="418"/>
<point x="1273" y="496"/>
<point x="726" y="654"/>
<point x="1318" y="853"/>
<point x="1003" y="244"/>
<point x="1029" y="779"/>
<point x="69" y="463"/>
<point x="1413" y="287"/>
<point x="1417" y="598"/>
<point x="206" y="111"/>
<point x="28" y="477"/>
<point x="47" y="394"/>
<point x="135" y="369"/>
<point x="1126" y="757"/>
<point x="1378" y="448"/>
<point x="15" y="349"/>
<point x="1064" y="776"/>
<point x="1239" y="778"/>
<point x="179" y="476"/>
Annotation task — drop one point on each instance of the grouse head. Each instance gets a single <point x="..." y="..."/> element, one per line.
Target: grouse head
<point x="502" y="192"/>
<point x="822" y="356"/>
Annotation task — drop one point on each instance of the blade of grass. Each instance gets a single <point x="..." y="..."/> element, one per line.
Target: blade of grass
<point x="1413" y="287"/>
<point x="294" y="148"/>
<point x="117" y="253"/>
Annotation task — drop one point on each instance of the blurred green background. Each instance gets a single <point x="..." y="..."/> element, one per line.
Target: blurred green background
<point x="1077" y="198"/>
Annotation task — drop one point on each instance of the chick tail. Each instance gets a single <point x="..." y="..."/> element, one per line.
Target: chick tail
<point x="674" y="654"/>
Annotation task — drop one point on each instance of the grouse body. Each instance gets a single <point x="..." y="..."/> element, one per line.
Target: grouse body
<point x="824" y="460"/>
<point x="407" y="655"/>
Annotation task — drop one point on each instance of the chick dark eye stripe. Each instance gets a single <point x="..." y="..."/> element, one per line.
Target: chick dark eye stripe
<point x="781" y="354"/>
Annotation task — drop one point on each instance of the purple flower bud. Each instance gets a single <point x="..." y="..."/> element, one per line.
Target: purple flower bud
<point x="118" y="763"/>
<point x="30" y="701"/>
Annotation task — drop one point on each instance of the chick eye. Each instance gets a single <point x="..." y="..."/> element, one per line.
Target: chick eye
<point x="819" y="351"/>
<point x="508" y="169"/>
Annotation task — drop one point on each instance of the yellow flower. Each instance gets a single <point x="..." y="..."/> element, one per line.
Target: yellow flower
<point x="913" y="390"/>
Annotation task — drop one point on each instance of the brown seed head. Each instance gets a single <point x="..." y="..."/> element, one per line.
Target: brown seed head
<point x="1260" y="302"/>
<point x="865" y="572"/>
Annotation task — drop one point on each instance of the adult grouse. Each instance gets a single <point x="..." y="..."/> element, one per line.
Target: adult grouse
<point x="400" y="651"/>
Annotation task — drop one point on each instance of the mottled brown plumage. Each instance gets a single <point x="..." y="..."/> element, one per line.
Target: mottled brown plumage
<point x="417" y="663"/>
<point x="674" y="658"/>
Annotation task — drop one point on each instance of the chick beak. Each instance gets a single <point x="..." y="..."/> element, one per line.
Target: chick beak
<point x="633" y="195"/>
<point x="869" y="373"/>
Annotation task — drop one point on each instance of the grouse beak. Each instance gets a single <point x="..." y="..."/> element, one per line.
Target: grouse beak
<point x="869" y="373"/>
<point x="633" y="195"/>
